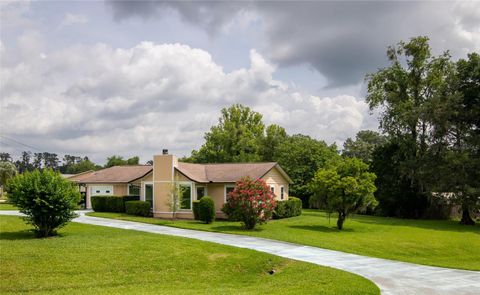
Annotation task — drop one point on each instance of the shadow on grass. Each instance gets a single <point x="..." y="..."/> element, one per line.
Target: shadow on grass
<point x="321" y="228"/>
<point x="438" y="225"/>
<point x="19" y="235"/>
<point x="27" y="234"/>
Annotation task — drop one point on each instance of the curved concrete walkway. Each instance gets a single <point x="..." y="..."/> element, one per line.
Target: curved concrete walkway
<point x="393" y="277"/>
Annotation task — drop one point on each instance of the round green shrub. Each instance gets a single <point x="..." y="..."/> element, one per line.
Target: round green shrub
<point x="46" y="198"/>
<point x="108" y="204"/>
<point x="139" y="208"/>
<point x="206" y="210"/>
<point x="196" y="214"/>
<point x="289" y="208"/>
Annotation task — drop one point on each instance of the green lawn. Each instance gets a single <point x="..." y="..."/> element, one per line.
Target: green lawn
<point x="88" y="259"/>
<point x="7" y="206"/>
<point x="431" y="242"/>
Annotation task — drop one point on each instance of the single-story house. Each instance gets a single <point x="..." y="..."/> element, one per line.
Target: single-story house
<point x="153" y="183"/>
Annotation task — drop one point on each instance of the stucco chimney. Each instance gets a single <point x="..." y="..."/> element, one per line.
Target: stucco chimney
<point x="163" y="167"/>
<point x="163" y="176"/>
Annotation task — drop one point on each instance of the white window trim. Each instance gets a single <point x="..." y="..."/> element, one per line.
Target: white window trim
<point x="142" y="197"/>
<point x="282" y="192"/>
<point x="225" y="191"/>
<point x="131" y="184"/>
<point x="191" y="195"/>
<point x="272" y="188"/>
<point x="204" y="187"/>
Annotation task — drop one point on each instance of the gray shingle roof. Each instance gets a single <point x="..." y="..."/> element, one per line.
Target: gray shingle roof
<point x="228" y="172"/>
<point x="115" y="174"/>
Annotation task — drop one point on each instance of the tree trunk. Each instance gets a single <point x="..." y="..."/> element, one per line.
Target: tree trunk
<point x="466" y="218"/>
<point x="341" y="220"/>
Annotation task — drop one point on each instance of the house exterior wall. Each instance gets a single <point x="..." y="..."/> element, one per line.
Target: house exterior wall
<point x="276" y="180"/>
<point x="118" y="190"/>
<point x="216" y="191"/>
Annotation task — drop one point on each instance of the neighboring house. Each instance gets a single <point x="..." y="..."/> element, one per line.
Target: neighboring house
<point x="154" y="183"/>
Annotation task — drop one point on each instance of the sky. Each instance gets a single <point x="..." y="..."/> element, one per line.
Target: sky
<point x="94" y="78"/>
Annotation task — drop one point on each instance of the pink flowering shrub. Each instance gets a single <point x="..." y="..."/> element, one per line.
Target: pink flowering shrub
<point x="251" y="202"/>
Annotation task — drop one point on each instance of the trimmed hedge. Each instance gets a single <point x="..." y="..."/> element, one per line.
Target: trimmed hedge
<point x="140" y="208"/>
<point x="289" y="208"/>
<point x="206" y="210"/>
<point x="195" y="208"/>
<point x="111" y="203"/>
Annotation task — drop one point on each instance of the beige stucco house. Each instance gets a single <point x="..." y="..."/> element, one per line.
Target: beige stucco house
<point x="153" y="183"/>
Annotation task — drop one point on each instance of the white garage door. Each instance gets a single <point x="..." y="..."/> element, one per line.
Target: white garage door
<point x="99" y="190"/>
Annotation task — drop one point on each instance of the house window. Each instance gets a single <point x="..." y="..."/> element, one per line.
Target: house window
<point x="272" y="189"/>
<point x="186" y="191"/>
<point x="107" y="192"/>
<point x="228" y="189"/>
<point x="282" y="192"/>
<point x="200" y="192"/>
<point x="133" y="190"/>
<point x="148" y="194"/>
<point x="98" y="192"/>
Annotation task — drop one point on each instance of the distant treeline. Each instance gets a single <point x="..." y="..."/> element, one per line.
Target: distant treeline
<point x="69" y="164"/>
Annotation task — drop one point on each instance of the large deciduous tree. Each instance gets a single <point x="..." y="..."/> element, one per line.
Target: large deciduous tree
<point x="120" y="161"/>
<point x="344" y="187"/>
<point x="366" y="141"/>
<point x="301" y="156"/>
<point x="431" y="114"/>
<point x="456" y="138"/>
<point x="406" y="92"/>
<point x="275" y="136"/>
<point x="236" y="138"/>
<point x="83" y="165"/>
<point x="395" y="194"/>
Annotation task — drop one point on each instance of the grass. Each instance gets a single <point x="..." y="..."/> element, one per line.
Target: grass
<point x="87" y="259"/>
<point x="430" y="242"/>
<point x="7" y="206"/>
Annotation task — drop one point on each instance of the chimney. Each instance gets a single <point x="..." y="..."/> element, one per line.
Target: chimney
<point x="164" y="152"/>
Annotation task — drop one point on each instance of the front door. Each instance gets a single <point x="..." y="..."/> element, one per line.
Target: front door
<point x="149" y="194"/>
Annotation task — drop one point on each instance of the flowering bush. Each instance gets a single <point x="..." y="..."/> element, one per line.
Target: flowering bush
<point x="250" y="202"/>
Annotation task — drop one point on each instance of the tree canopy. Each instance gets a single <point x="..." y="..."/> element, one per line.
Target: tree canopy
<point x="363" y="146"/>
<point x="301" y="156"/>
<point x="7" y="171"/>
<point x="430" y="112"/>
<point x="120" y="161"/>
<point x="236" y="137"/>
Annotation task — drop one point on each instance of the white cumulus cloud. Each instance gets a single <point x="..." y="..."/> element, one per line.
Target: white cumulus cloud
<point x="97" y="100"/>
